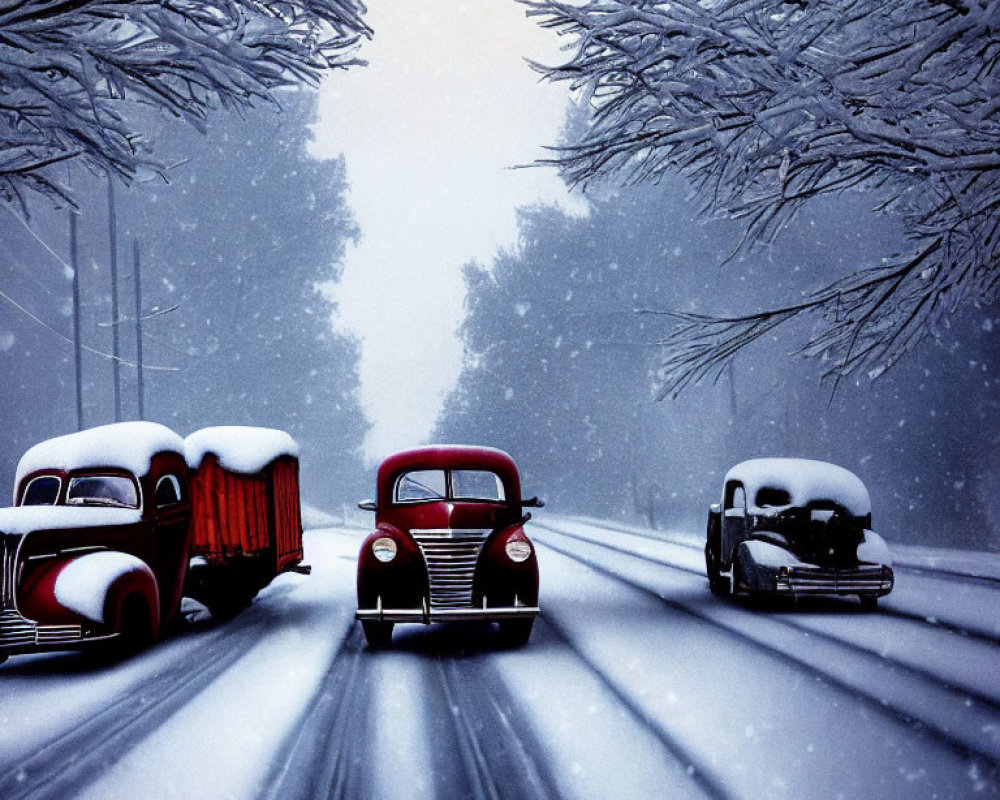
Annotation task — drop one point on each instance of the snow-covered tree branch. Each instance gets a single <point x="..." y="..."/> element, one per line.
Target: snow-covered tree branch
<point x="764" y="105"/>
<point x="67" y="67"/>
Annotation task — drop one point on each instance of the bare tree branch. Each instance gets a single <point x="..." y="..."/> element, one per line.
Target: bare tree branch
<point x="67" y="67"/>
<point x="765" y="105"/>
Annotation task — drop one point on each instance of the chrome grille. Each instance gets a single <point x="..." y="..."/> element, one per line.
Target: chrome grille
<point x="15" y="629"/>
<point x="9" y="544"/>
<point x="451" y="555"/>
<point x="808" y="580"/>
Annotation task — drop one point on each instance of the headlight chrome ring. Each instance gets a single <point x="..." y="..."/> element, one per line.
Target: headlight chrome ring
<point x="384" y="549"/>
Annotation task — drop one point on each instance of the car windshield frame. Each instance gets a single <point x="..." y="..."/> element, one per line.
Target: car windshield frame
<point x="449" y="494"/>
<point x="113" y="482"/>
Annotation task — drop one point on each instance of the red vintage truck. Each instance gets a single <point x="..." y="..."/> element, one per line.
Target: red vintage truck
<point x="99" y="544"/>
<point x="246" y="514"/>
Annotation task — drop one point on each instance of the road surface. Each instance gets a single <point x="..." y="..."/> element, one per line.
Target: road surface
<point x="636" y="683"/>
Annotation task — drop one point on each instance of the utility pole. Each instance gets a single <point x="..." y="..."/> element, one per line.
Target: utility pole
<point x="113" y="251"/>
<point x="74" y="261"/>
<point x="138" y="319"/>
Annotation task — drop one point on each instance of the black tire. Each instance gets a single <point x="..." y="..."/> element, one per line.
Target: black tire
<point x="136" y="628"/>
<point x="718" y="584"/>
<point x="738" y="574"/>
<point x="515" y="632"/>
<point x="869" y="602"/>
<point x="377" y="634"/>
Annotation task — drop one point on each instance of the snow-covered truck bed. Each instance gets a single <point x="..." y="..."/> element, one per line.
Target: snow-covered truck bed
<point x="246" y="516"/>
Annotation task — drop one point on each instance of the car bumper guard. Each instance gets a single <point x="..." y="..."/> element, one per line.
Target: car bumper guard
<point x="428" y="614"/>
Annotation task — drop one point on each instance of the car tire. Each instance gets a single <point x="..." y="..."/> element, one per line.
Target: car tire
<point x="377" y="634"/>
<point x="739" y="572"/>
<point x="717" y="583"/>
<point x="136" y="627"/>
<point x="869" y="602"/>
<point x="515" y="632"/>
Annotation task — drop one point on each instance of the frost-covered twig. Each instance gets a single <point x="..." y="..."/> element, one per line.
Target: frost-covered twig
<point x="765" y="105"/>
<point x="68" y="71"/>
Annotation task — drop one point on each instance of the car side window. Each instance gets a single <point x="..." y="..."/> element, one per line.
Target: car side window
<point x="42" y="491"/>
<point x="736" y="500"/>
<point x="168" y="491"/>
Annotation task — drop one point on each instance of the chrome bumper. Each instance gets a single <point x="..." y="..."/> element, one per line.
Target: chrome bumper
<point x="20" y="635"/>
<point x="823" y="580"/>
<point x="428" y="614"/>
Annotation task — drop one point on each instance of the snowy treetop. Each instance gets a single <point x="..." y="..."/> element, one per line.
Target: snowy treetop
<point x="123" y="445"/>
<point x="25" y="519"/>
<point x="239" y="448"/>
<point x="805" y="480"/>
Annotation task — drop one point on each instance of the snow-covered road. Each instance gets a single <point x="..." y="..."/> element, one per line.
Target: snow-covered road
<point x="636" y="683"/>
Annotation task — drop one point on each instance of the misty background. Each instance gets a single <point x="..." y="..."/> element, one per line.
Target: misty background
<point x="238" y="253"/>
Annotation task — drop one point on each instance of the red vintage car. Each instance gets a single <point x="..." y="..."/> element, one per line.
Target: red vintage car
<point x="449" y="544"/>
<point x="96" y="547"/>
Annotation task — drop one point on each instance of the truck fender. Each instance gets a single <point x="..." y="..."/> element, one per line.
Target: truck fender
<point x="95" y="586"/>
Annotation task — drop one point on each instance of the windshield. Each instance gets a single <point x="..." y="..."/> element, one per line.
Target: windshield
<point x="42" y="491"/>
<point x="102" y="490"/>
<point x="456" y="484"/>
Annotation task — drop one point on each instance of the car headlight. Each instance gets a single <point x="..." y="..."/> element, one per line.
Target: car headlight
<point x="384" y="549"/>
<point x="517" y="549"/>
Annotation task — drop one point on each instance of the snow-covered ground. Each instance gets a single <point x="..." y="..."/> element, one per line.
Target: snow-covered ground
<point x="637" y="682"/>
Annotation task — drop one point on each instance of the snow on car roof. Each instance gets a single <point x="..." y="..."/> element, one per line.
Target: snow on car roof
<point x="25" y="519"/>
<point x="123" y="445"/>
<point x="805" y="480"/>
<point x="239" y="448"/>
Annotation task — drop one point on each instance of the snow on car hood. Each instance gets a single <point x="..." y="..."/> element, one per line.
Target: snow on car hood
<point x="124" y="445"/>
<point x="25" y="519"/>
<point x="239" y="448"/>
<point x="805" y="480"/>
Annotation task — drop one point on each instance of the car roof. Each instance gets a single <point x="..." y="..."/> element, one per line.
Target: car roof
<point x="805" y="480"/>
<point x="122" y="445"/>
<point x="450" y="456"/>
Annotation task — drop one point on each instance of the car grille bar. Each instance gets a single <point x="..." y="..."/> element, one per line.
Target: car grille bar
<point x="823" y="580"/>
<point x="9" y="545"/>
<point x="451" y="555"/>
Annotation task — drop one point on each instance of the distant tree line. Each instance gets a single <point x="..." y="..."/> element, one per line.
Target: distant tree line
<point x="561" y="373"/>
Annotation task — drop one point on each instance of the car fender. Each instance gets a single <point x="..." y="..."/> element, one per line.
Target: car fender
<point x="96" y="584"/>
<point x="874" y="550"/>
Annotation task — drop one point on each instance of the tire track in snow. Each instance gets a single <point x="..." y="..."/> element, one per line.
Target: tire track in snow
<point x="77" y="757"/>
<point x="972" y="737"/>
<point x="324" y="758"/>
<point x="496" y="752"/>
<point x="981" y="633"/>
<point x="965" y="690"/>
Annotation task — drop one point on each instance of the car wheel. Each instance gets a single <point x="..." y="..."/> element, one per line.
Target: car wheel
<point x="136" y="628"/>
<point x="718" y="584"/>
<point x="515" y="632"/>
<point x="739" y="573"/>
<point x="377" y="634"/>
<point x="869" y="602"/>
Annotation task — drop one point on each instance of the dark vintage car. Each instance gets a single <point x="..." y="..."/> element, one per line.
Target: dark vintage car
<point x="793" y="527"/>
<point x="96" y="546"/>
<point x="449" y="544"/>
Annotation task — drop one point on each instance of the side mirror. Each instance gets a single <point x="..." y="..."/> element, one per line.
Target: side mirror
<point x="367" y="505"/>
<point x="532" y="502"/>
